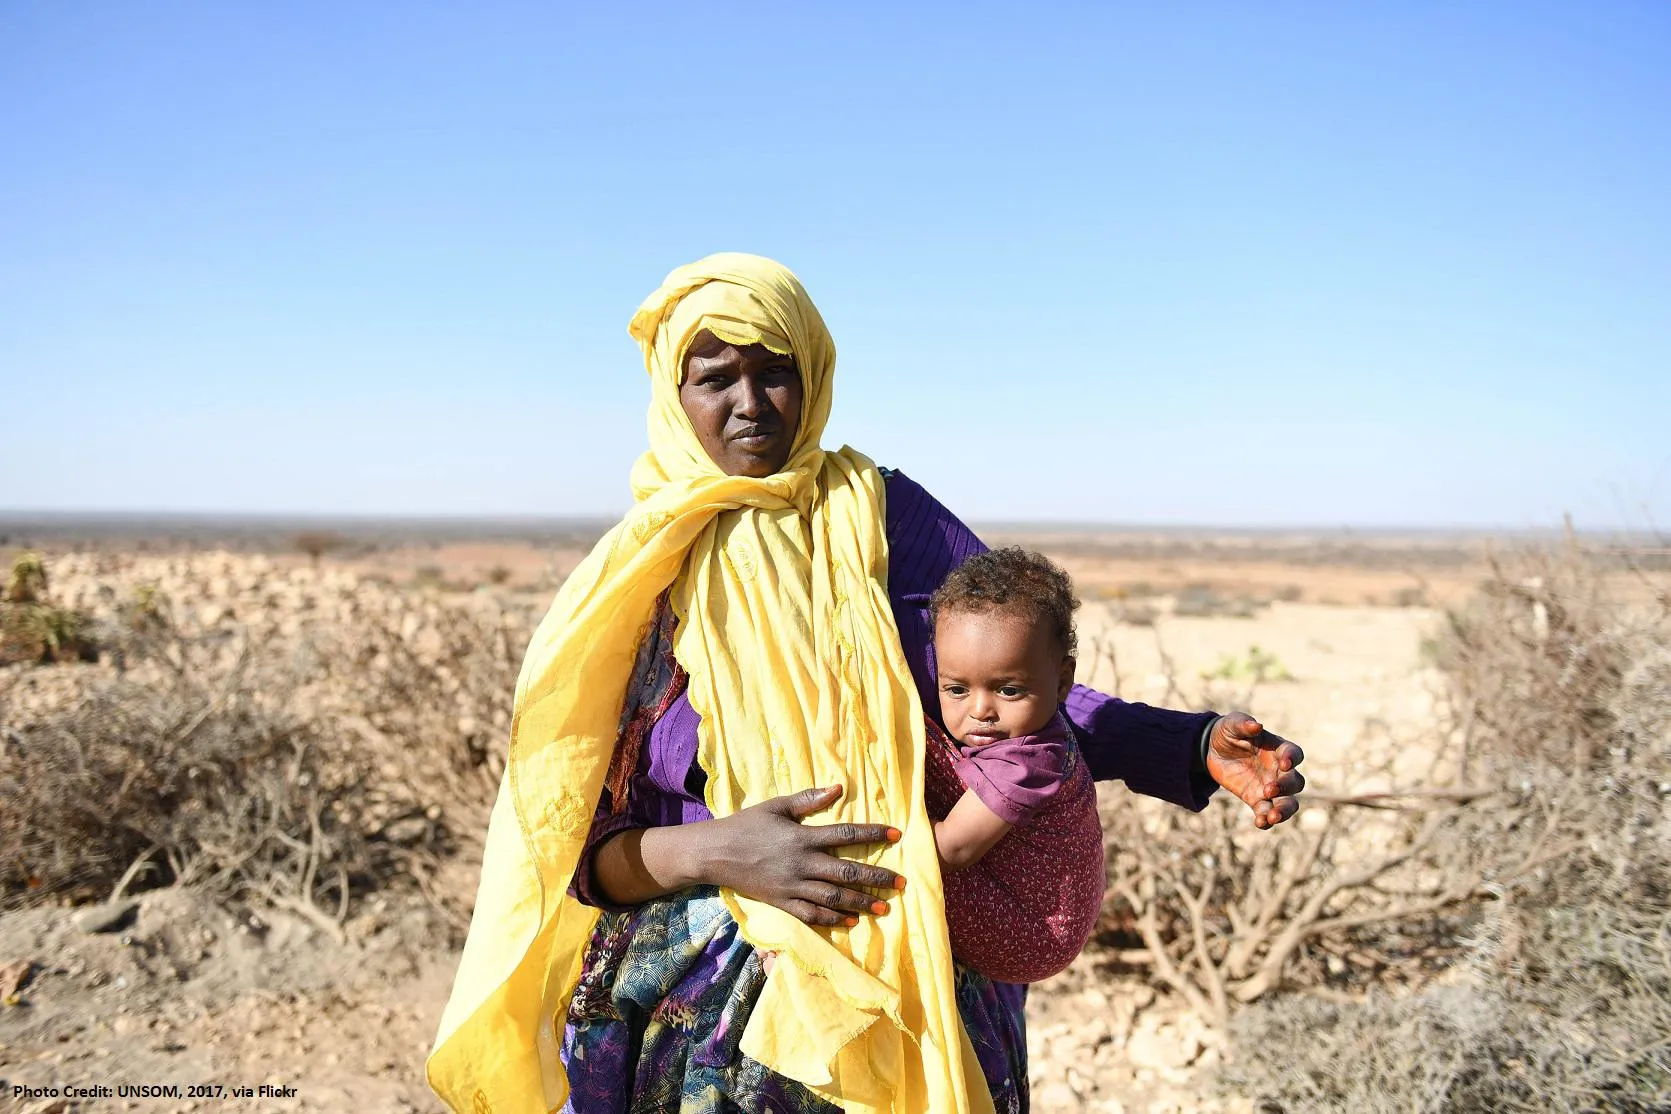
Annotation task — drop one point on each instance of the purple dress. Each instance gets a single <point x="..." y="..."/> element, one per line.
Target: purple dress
<point x="666" y="987"/>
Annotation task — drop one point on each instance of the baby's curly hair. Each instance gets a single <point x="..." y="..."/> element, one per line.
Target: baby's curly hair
<point x="1013" y="580"/>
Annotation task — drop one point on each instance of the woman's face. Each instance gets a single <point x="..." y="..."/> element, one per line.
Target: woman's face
<point x="745" y="404"/>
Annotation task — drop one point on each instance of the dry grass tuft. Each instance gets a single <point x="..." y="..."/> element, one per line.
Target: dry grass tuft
<point x="32" y="628"/>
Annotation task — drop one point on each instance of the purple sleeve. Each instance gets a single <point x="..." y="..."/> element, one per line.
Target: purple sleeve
<point x="605" y="824"/>
<point x="666" y="788"/>
<point x="1155" y="751"/>
<point x="1014" y="778"/>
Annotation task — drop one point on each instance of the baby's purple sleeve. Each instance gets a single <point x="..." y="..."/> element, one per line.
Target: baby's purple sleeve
<point x="1017" y="777"/>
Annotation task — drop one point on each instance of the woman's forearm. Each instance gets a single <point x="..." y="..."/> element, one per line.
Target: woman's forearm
<point x="763" y="852"/>
<point x="642" y="864"/>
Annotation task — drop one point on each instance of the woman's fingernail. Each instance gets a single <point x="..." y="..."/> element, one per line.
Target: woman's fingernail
<point x="899" y="882"/>
<point x="878" y="907"/>
<point x="895" y="835"/>
<point x="852" y="922"/>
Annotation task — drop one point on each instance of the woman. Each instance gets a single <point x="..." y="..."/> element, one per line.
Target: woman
<point x="755" y="626"/>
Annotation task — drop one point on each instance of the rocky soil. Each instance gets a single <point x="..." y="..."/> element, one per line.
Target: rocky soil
<point x="179" y="991"/>
<point x="177" y="987"/>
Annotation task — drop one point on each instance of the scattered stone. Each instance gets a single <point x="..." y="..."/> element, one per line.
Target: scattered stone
<point x="1162" y="1047"/>
<point x="13" y="978"/>
<point x="406" y="831"/>
<point x="107" y="917"/>
<point x="1054" y="1097"/>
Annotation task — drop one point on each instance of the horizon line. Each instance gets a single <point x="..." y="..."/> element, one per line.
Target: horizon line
<point x="12" y="518"/>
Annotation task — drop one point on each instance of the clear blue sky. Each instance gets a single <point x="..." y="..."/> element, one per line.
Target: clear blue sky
<point x="1255" y="264"/>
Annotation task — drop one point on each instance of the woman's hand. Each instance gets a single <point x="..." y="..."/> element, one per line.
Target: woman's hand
<point x="1257" y="766"/>
<point x="763" y="852"/>
<point x="766" y="853"/>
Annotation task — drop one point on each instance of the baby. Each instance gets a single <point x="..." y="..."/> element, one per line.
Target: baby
<point x="1015" y="809"/>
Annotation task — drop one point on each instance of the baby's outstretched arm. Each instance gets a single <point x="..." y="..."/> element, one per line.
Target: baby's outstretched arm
<point x="968" y="832"/>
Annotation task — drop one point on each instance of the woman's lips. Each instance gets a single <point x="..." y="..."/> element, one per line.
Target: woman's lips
<point x="755" y="440"/>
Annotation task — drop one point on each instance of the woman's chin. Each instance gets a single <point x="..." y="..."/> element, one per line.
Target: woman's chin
<point x="755" y="467"/>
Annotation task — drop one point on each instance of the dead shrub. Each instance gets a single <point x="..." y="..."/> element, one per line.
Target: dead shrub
<point x="1415" y="596"/>
<point x="299" y="740"/>
<point x="1564" y="1007"/>
<point x="1202" y="601"/>
<point x="317" y="543"/>
<point x="1224" y="917"/>
<point x="1557" y="995"/>
<point x="160" y="776"/>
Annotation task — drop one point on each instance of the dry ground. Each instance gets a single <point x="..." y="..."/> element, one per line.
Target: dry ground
<point x="188" y="993"/>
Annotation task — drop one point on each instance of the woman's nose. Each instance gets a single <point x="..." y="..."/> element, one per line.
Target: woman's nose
<point x="751" y="399"/>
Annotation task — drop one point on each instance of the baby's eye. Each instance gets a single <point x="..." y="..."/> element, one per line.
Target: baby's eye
<point x="1012" y="691"/>
<point x="955" y="690"/>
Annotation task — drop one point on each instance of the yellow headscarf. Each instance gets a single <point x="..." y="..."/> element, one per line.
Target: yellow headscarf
<point x="797" y="671"/>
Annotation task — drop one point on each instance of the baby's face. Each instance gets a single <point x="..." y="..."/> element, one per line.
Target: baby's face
<point x="1000" y="676"/>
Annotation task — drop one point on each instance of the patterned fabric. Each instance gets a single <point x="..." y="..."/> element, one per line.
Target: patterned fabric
<point x="657" y="680"/>
<point x="665" y="992"/>
<point x="1027" y="909"/>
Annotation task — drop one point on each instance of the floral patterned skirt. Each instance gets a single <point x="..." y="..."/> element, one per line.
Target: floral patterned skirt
<point x="665" y="992"/>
